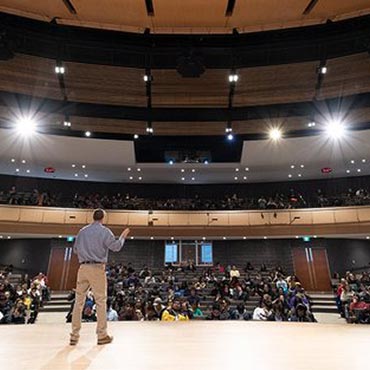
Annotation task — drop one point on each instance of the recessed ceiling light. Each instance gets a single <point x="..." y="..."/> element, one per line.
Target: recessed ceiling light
<point x="182" y="170"/>
<point x="352" y="161"/>
<point x="193" y="170"/>
<point x="13" y="160"/>
<point x="235" y="178"/>
<point x="23" y="161"/>
<point x="289" y="175"/>
<point x="131" y="178"/>
<point x="292" y="166"/>
<point x="76" y="174"/>
<point x="299" y="175"/>
<point x="17" y="170"/>
<point x="364" y="160"/>
<point x="129" y="169"/>
<point x="236" y="169"/>
<point x="245" y="177"/>
<point x="358" y="169"/>
<point x="140" y="178"/>
<point x="182" y="178"/>
<point x="139" y="169"/>
<point x="247" y="168"/>
<point x="83" y="166"/>
<point x="73" y="165"/>
<point x="302" y="165"/>
<point x="87" y="133"/>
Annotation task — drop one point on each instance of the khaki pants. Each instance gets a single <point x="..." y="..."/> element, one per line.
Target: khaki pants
<point x="91" y="276"/>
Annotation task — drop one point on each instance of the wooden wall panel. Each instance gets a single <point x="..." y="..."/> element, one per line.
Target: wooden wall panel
<point x="117" y="218"/>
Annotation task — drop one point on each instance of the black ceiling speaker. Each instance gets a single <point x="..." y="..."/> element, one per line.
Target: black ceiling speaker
<point x="5" y="51"/>
<point x="190" y="65"/>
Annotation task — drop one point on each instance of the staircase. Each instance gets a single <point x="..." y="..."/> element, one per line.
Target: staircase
<point x="323" y="303"/>
<point x="58" y="303"/>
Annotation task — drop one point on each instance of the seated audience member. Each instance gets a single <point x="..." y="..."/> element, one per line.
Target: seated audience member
<point x="240" y="313"/>
<point x="264" y="311"/>
<point x="359" y="311"/>
<point x="159" y="308"/>
<point x="112" y="314"/>
<point x="234" y="272"/>
<point x="301" y="314"/>
<point x="174" y="312"/>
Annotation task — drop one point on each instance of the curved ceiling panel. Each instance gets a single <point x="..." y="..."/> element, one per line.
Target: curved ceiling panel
<point x="190" y="16"/>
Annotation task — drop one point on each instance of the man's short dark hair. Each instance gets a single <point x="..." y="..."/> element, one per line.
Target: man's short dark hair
<point x="98" y="214"/>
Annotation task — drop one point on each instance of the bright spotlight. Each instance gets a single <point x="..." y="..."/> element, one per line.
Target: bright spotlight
<point x="230" y="137"/>
<point x="87" y="133"/>
<point x="26" y="126"/>
<point x="171" y="162"/>
<point x="275" y="134"/>
<point x="335" y="129"/>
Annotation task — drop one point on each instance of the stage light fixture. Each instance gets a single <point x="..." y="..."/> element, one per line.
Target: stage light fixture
<point x="83" y="166"/>
<point x="244" y="177"/>
<point x="233" y="77"/>
<point x="235" y="178"/>
<point x="352" y="161"/>
<point x="87" y="133"/>
<point x="183" y="178"/>
<point x="206" y="161"/>
<point x="358" y="169"/>
<point x="171" y="162"/>
<point x="26" y="126"/>
<point x="348" y="171"/>
<point x="182" y="170"/>
<point x="311" y="124"/>
<point x="73" y="165"/>
<point x="131" y="178"/>
<point x="290" y="176"/>
<point x="364" y="160"/>
<point x="12" y="160"/>
<point x="230" y="137"/>
<point x="193" y="178"/>
<point x="23" y="161"/>
<point x="275" y="134"/>
<point x="67" y="123"/>
<point x="335" y="129"/>
<point x="136" y="136"/>
<point x="76" y="174"/>
<point x="28" y="171"/>
<point x="17" y="170"/>
<point x="59" y="68"/>
<point x="86" y="176"/>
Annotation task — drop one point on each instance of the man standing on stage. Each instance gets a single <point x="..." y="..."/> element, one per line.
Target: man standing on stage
<point x="92" y="245"/>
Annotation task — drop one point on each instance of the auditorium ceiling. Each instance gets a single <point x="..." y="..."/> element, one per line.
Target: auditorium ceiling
<point x="190" y="16"/>
<point x="290" y="159"/>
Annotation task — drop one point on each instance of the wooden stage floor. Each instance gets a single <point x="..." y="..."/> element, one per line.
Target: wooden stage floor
<point x="196" y="345"/>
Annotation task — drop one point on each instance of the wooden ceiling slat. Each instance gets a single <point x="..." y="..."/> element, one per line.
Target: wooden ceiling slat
<point x="190" y="16"/>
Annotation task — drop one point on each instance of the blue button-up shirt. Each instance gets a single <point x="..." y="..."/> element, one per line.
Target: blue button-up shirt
<point x="94" y="241"/>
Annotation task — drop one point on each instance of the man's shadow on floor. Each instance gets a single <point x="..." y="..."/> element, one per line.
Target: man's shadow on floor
<point x="60" y="360"/>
